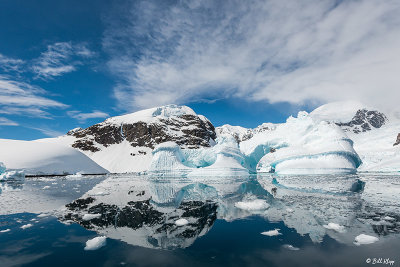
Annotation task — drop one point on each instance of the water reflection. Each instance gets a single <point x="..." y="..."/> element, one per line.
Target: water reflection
<point x="143" y="210"/>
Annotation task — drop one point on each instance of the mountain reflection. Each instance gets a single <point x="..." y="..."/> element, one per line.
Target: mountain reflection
<point x="144" y="211"/>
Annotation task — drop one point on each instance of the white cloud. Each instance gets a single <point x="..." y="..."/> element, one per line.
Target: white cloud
<point x="20" y="98"/>
<point x="7" y="122"/>
<point x="60" y="58"/>
<point x="82" y="117"/>
<point x="271" y="51"/>
<point x="8" y="64"/>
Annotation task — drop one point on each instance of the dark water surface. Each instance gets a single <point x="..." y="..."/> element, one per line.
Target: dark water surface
<point x="225" y="218"/>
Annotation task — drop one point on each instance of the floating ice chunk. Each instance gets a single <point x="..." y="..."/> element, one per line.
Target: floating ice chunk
<point x="364" y="239"/>
<point x="12" y="176"/>
<point x="289" y="210"/>
<point x="257" y="204"/>
<point x="26" y="226"/>
<point x="88" y="217"/>
<point x="95" y="243"/>
<point x="46" y="187"/>
<point x="290" y="247"/>
<point x="41" y="215"/>
<point x="5" y="231"/>
<point x="76" y="175"/>
<point x="335" y="227"/>
<point x="181" y="222"/>
<point x="274" y="232"/>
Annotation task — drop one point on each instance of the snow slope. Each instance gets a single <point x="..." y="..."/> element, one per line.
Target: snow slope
<point x="45" y="158"/>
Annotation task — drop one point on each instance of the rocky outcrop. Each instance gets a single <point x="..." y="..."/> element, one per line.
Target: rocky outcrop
<point x="364" y="120"/>
<point x="397" y="141"/>
<point x="187" y="130"/>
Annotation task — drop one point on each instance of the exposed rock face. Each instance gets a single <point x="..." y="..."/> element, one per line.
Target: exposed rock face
<point x="397" y="141"/>
<point x="187" y="129"/>
<point x="137" y="215"/>
<point x="364" y="120"/>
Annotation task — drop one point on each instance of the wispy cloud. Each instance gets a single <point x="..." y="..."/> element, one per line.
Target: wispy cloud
<point x="60" y="58"/>
<point x="8" y="64"/>
<point x="257" y="50"/>
<point x="46" y="131"/>
<point x="20" y="98"/>
<point x="82" y="117"/>
<point x="7" y="122"/>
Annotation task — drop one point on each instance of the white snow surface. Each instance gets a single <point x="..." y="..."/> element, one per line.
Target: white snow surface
<point x="88" y="217"/>
<point x="181" y="222"/>
<point x="36" y="157"/>
<point x="364" y="239"/>
<point x="95" y="243"/>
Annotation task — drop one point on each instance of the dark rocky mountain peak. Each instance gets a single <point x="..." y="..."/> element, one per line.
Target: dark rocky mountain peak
<point x="147" y="128"/>
<point x="364" y="120"/>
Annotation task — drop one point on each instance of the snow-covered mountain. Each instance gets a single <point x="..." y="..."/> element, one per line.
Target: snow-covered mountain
<point x="340" y="137"/>
<point x="125" y="143"/>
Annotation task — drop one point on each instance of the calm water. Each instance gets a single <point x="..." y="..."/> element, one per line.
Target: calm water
<point x="225" y="218"/>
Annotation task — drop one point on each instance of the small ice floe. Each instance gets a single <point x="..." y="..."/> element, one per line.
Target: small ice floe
<point x="88" y="217"/>
<point x="41" y="215"/>
<point x="5" y="231"/>
<point x="364" y="239"/>
<point x="95" y="243"/>
<point x="26" y="226"/>
<point x="46" y="187"/>
<point x="290" y="247"/>
<point x="76" y="175"/>
<point x="335" y="227"/>
<point x="181" y="222"/>
<point x="289" y="210"/>
<point x="256" y="204"/>
<point x="274" y="232"/>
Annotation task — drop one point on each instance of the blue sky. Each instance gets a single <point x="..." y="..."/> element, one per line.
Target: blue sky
<point x="65" y="64"/>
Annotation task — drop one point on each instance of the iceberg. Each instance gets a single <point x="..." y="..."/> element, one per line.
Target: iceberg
<point x="302" y="146"/>
<point x="229" y="161"/>
<point x="12" y="176"/>
<point x="223" y="159"/>
<point x="96" y="243"/>
<point x="364" y="239"/>
<point x="168" y="158"/>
